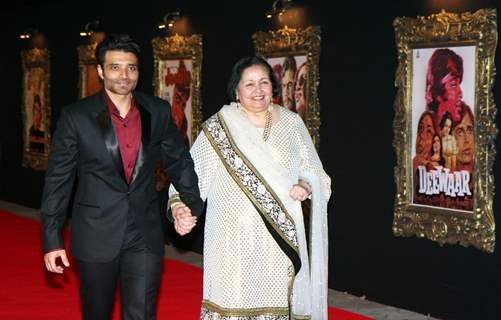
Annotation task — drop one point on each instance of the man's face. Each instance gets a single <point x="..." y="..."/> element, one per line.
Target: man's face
<point x="453" y="95"/>
<point x="300" y="86"/>
<point x="463" y="132"/>
<point x="424" y="138"/>
<point x="288" y="89"/>
<point x="120" y="72"/>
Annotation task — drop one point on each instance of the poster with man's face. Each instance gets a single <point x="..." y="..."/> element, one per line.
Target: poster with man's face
<point x="291" y="72"/>
<point x="442" y="132"/>
<point x="174" y="81"/>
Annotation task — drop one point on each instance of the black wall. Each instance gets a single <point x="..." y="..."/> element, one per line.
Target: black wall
<point x="357" y="67"/>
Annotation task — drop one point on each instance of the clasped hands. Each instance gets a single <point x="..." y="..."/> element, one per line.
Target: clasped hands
<point x="184" y="221"/>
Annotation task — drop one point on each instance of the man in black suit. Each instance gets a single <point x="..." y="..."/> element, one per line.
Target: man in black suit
<point x="111" y="141"/>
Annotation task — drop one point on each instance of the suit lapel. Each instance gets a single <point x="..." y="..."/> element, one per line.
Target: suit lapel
<point x="110" y="139"/>
<point x="145" y="139"/>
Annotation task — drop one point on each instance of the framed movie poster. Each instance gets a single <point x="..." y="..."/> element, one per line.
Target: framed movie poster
<point x="35" y="106"/>
<point x="294" y="56"/>
<point x="177" y="78"/>
<point x="444" y="128"/>
<point x="88" y="80"/>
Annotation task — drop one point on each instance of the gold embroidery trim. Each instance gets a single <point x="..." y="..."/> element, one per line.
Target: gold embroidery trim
<point x="256" y="173"/>
<point x="240" y="312"/>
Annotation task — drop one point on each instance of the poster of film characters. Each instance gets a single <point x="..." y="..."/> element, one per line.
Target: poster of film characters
<point x="442" y="136"/>
<point x="175" y="86"/>
<point x="291" y="72"/>
<point x="35" y="112"/>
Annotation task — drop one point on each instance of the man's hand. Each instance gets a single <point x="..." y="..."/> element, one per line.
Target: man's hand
<point x="183" y="220"/>
<point x="50" y="260"/>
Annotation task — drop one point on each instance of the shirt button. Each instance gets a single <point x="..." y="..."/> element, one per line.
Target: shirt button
<point x="125" y="125"/>
<point x="128" y="145"/>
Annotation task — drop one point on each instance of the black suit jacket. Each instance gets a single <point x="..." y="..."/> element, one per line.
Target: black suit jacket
<point x="85" y="145"/>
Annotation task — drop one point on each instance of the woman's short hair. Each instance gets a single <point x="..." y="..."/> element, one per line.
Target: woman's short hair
<point x="238" y="69"/>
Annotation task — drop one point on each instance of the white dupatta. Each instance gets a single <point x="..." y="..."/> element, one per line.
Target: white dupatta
<point x="309" y="295"/>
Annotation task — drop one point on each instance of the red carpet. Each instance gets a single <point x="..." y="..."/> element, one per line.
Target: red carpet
<point x="28" y="292"/>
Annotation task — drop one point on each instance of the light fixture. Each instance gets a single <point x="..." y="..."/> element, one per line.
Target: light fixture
<point x="28" y="33"/>
<point x="279" y="7"/>
<point x="90" y="28"/>
<point x="36" y="39"/>
<point x="169" y="19"/>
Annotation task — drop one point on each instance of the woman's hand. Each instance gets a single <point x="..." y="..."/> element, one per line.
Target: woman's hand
<point x="300" y="191"/>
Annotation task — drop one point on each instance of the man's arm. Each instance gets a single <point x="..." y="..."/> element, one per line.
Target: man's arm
<point x="59" y="180"/>
<point x="180" y="169"/>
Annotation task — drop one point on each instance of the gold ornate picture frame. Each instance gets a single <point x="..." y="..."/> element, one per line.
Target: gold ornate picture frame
<point x="89" y="82"/>
<point x="444" y="128"/>
<point x="294" y="55"/>
<point x="35" y="105"/>
<point x="177" y="79"/>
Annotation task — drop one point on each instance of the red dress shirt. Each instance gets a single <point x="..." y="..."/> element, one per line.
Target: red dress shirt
<point x="128" y="132"/>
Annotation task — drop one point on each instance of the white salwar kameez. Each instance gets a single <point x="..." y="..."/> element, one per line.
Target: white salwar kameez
<point x="246" y="274"/>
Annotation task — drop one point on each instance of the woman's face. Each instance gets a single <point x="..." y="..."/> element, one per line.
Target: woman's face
<point x="424" y="139"/>
<point x="255" y="89"/>
<point x="447" y="126"/>
<point x="436" y="144"/>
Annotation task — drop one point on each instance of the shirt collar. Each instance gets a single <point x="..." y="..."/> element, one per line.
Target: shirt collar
<point x="112" y="108"/>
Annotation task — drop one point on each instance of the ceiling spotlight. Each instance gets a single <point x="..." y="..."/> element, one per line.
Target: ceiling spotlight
<point x="90" y="28"/>
<point x="28" y="33"/>
<point x="169" y="19"/>
<point x="279" y="7"/>
<point x="37" y="39"/>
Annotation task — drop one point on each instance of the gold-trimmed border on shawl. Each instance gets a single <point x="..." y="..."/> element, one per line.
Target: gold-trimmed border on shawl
<point x="252" y="168"/>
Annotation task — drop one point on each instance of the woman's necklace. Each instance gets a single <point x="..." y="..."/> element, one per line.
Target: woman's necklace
<point x="267" y="123"/>
<point x="267" y="120"/>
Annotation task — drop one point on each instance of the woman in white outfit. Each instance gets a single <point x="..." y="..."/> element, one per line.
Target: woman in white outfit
<point x="256" y="162"/>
